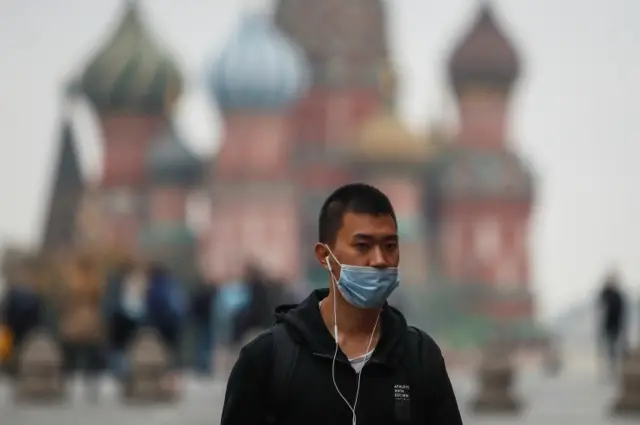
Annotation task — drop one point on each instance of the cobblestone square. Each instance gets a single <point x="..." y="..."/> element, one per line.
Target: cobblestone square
<point x="570" y="398"/>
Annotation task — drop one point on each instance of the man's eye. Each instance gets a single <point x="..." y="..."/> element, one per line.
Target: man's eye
<point x="362" y="246"/>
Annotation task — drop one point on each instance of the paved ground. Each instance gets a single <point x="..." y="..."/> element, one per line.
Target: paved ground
<point x="572" y="398"/>
<point x="567" y="399"/>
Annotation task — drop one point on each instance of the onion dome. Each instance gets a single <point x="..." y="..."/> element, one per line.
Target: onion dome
<point x="324" y="29"/>
<point x="259" y="69"/>
<point x="485" y="55"/>
<point x="384" y="136"/>
<point x="171" y="162"/>
<point x="131" y="72"/>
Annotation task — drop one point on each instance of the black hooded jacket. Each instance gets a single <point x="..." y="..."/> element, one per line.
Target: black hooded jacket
<point x="388" y="390"/>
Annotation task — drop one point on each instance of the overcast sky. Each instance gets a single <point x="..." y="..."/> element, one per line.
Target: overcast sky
<point x="574" y="111"/>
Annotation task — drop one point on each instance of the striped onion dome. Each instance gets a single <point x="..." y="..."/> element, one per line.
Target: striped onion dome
<point x="131" y="72"/>
<point x="171" y="162"/>
<point x="258" y="69"/>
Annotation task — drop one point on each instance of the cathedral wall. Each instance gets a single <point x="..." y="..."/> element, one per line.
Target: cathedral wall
<point x="127" y="139"/>
<point x="168" y="205"/>
<point x="483" y="118"/>
<point x="255" y="146"/>
<point x="489" y="238"/>
<point x="332" y="117"/>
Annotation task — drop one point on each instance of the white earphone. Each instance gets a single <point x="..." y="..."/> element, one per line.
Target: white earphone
<point x="335" y="354"/>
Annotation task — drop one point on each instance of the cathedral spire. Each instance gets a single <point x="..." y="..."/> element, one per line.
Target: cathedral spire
<point x="67" y="187"/>
<point x="485" y="54"/>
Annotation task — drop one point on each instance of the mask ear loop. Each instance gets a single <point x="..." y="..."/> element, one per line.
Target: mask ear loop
<point x="335" y="354"/>
<point x="335" y="311"/>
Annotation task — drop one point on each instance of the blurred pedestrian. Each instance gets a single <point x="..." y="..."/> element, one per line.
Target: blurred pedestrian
<point x="82" y="330"/>
<point x="124" y="309"/>
<point x="612" y="306"/>
<point x="166" y="311"/>
<point x="201" y="309"/>
<point x="257" y="313"/>
<point x="233" y="297"/>
<point x="22" y="309"/>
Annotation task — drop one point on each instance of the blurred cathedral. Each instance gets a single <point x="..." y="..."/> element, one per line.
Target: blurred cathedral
<point x="307" y="96"/>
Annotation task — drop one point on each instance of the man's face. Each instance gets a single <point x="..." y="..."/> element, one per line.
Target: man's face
<point x="367" y="240"/>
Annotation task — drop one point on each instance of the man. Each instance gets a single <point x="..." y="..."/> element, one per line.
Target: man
<point x="344" y="356"/>
<point x="613" y="323"/>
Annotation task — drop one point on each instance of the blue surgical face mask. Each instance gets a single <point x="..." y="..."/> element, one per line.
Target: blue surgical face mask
<point x="365" y="287"/>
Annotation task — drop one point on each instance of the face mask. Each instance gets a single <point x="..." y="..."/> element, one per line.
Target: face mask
<point x="365" y="287"/>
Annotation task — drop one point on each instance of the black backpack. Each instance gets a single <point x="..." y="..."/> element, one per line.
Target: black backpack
<point x="285" y="356"/>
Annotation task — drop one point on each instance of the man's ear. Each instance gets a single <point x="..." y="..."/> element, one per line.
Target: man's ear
<point x="321" y="255"/>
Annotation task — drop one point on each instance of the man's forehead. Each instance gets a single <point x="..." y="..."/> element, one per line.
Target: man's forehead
<point x="368" y="226"/>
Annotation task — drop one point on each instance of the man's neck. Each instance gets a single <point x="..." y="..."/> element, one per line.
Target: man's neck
<point x="352" y="321"/>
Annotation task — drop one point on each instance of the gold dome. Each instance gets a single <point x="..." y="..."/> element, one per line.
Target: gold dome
<point x="385" y="136"/>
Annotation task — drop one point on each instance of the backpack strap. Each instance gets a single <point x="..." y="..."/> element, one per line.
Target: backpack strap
<point x="285" y="356"/>
<point x="418" y="375"/>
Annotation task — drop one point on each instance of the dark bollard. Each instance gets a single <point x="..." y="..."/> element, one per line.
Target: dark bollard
<point x="149" y="367"/>
<point x="40" y="375"/>
<point x="628" y="401"/>
<point x="496" y="377"/>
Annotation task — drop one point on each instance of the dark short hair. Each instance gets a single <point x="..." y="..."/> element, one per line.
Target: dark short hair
<point x="358" y="198"/>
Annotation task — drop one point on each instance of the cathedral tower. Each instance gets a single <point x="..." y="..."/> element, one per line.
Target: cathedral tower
<point x="484" y="188"/>
<point x="132" y="85"/>
<point x="344" y="41"/>
<point x="256" y="81"/>
<point x="173" y="171"/>
<point x="392" y="158"/>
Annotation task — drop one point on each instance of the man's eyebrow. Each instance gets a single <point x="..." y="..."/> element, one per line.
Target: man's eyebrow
<point x="372" y="237"/>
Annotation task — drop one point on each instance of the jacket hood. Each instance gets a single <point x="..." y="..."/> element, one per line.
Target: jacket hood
<point x="305" y="325"/>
